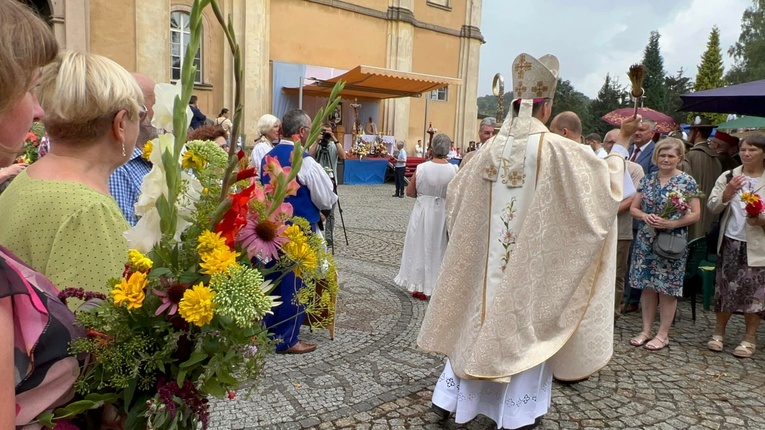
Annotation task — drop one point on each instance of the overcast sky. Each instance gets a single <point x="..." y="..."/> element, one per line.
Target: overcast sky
<point x="595" y="37"/>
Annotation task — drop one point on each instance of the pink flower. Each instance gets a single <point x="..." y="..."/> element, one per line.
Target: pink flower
<point x="273" y="167"/>
<point x="262" y="237"/>
<point x="170" y="298"/>
<point x="283" y="212"/>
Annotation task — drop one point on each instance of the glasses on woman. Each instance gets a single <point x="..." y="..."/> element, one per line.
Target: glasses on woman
<point x="142" y="113"/>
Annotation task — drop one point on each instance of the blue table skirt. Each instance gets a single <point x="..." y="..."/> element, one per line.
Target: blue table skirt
<point x="364" y="171"/>
<point x="455" y="161"/>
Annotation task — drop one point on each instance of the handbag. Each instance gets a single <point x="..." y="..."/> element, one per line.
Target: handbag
<point x="669" y="246"/>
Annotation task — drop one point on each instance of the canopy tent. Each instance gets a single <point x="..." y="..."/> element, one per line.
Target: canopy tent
<point x="743" y="99"/>
<point x="375" y="83"/>
<point x="744" y="122"/>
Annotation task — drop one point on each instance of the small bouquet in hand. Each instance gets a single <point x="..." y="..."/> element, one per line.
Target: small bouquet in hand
<point x="677" y="203"/>
<point x="32" y="144"/>
<point x="754" y="205"/>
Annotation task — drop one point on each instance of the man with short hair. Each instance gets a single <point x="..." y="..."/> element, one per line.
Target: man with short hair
<point x="485" y="132"/>
<point x="593" y="139"/>
<point x="197" y="117"/>
<point x="511" y="307"/>
<point x="641" y="151"/>
<point x="704" y="165"/>
<point x="567" y="124"/>
<point x="125" y="182"/>
<point x="314" y="194"/>
<point x="610" y="139"/>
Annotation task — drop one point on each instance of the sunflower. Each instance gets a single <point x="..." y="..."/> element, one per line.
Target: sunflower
<point x="130" y="291"/>
<point x="196" y="306"/>
<point x="302" y="255"/>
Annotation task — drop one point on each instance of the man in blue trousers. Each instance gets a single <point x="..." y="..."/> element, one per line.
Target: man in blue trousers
<point x="314" y="194"/>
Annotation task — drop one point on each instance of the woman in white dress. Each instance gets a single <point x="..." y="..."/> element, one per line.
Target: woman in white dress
<point x="270" y="128"/>
<point x="425" y="241"/>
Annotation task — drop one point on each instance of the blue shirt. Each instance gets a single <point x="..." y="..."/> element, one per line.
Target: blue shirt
<point x="125" y="184"/>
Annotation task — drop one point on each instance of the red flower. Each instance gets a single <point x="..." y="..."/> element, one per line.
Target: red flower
<point x="755" y="208"/>
<point x="231" y="395"/>
<point x="236" y="217"/>
<point x="245" y="174"/>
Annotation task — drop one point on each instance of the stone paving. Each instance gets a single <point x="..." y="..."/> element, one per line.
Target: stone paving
<point x="373" y="376"/>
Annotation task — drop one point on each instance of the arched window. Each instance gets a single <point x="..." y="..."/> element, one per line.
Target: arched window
<point x="180" y="35"/>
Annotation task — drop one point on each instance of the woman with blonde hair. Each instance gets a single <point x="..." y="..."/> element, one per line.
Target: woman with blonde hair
<point x="660" y="278"/>
<point x="270" y="128"/>
<point x="741" y="245"/>
<point x="93" y="108"/>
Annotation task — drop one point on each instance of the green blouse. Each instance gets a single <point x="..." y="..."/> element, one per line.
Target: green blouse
<point x="65" y="230"/>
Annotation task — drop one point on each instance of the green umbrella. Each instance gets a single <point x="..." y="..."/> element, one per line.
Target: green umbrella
<point x="744" y="122"/>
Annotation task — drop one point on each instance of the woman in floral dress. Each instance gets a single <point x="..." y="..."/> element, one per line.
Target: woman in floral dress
<point x="661" y="279"/>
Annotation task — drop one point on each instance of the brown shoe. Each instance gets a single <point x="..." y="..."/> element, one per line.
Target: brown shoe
<point x="299" y="348"/>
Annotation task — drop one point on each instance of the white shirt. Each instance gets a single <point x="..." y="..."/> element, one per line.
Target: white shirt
<point x="736" y="227"/>
<point x="601" y="153"/>
<point x="401" y="158"/>
<point x="313" y="176"/>
<point x="258" y="152"/>
<point x="628" y="189"/>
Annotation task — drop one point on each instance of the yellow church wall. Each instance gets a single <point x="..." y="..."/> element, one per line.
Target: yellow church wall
<point x="111" y="31"/>
<point x="314" y="34"/>
<point x="426" y="11"/>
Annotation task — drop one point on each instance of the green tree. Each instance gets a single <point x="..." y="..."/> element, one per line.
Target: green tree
<point x="677" y="85"/>
<point x="749" y="51"/>
<point x="655" y="88"/>
<point x="611" y="96"/>
<point x="487" y="105"/>
<point x="710" y="73"/>
<point x="569" y="99"/>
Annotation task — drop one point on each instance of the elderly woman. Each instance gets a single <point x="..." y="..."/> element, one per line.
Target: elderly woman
<point x="32" y="380"/>
<point x="661" y="279"/>
<point x="741" y="245"/>
<point x="58" y="216"/>
<point x="425" y="241"/>
<point x="269" y="128"/>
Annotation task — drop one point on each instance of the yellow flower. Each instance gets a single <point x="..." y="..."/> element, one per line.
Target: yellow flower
<point x="139" y="261"/>
<point x="205" y="191"/>
<point x="197" y="305"/>
<point x="302" y="255"/>
<point x="147" y="148"/>
<point x="209" y="241"/>
<point x="750" y="198"/>
<point x="191" y="160"/>
<point x="130" y="291"/>
<point x="218" y="260"/>
<point x="294" y="233"/>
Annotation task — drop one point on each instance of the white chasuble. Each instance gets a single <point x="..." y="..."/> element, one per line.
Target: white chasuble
<point x="528" y="274"/>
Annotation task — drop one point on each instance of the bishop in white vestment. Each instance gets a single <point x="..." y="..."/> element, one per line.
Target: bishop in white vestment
<point x="526" y="289"/>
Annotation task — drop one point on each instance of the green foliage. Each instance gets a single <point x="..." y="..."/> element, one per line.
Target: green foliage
<point x="654" y="85"/>
<point x="749" y="50"/>
<point x="677" y="85"/>
<point x="487" y="105"/>
<point x="710" y="73"/>
<point x="569" y="99"/>
<point x="611" y="96"/>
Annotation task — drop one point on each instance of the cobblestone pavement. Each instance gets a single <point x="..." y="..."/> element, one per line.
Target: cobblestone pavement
<point x="373" y="376"/>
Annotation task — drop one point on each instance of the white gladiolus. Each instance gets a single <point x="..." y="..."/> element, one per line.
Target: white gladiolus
<point x="163" y="108"/>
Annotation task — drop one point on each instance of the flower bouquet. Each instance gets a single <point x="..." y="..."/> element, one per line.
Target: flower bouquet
<point x="185" y="319"/>
<point x="677" y="204"/>
<point x="754" y="205"/>
<point x="32" y="142"/>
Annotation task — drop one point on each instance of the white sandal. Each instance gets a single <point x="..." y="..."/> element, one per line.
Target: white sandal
<point x="716" y="344"/>
<point x="744" y="350"/>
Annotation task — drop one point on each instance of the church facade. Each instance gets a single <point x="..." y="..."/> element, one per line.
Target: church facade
<point x="430" y="37"/>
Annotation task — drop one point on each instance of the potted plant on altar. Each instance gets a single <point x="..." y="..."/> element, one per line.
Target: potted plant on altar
<point x="184" y="321"/>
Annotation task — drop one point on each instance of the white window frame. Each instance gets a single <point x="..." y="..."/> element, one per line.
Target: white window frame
<point x="184" y="36"/>
<point x="440" y="95"/>
<point x="443" y="4"/>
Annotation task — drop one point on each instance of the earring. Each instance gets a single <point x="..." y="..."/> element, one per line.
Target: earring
<point x="123" y="149"/>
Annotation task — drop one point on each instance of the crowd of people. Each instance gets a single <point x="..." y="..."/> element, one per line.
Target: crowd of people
<point x="498" y="315"/>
